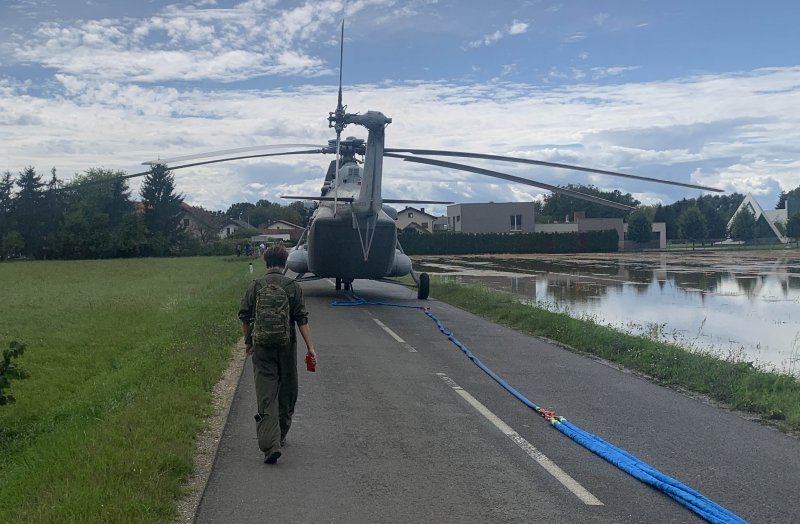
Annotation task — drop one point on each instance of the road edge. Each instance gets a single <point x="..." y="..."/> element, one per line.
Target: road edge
<point x="207" y="441"/>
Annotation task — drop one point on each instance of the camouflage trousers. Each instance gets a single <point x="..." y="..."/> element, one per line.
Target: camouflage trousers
<point x="275" y="372"/>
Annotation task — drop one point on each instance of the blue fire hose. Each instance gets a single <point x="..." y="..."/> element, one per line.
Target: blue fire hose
<point x="684" y="495"/>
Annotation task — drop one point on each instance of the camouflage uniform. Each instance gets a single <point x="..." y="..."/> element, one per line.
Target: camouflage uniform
<point x="275" y="369"/>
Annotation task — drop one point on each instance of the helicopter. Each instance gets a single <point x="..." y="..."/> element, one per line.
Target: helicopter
<point x="352" y="233"/>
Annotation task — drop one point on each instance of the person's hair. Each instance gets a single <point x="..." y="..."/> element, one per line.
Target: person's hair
<point x="276" y="255"/>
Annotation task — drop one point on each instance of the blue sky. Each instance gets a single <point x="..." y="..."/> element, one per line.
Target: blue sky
<point x="701" y="92"/>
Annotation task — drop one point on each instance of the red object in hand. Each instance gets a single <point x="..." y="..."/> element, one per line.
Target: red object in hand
<point x="311" y="363"/>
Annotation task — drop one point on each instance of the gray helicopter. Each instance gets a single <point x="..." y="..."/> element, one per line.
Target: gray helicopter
<point x="352" y="233"/>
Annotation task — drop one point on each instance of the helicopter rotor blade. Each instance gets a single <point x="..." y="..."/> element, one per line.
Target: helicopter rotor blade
<point x="193" y="164"/>
<point x="319" y="198"/>
<point x="211" y="154"/>
<point x="385" y="200"/>
<point x="512" y="178"/>
<point x="436" y="152"/>
<point x="413" y="201"/>
<point x="339" y="106"/>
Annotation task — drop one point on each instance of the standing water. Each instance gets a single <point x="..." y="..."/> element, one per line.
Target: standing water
<point x="742" y="305"/>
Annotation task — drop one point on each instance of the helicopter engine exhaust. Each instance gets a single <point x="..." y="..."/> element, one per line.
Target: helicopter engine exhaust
<point x="298" y="260"/>
<point x="401" y="266"/>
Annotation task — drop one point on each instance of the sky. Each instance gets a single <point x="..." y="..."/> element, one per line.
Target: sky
<point x="698" y="92"/>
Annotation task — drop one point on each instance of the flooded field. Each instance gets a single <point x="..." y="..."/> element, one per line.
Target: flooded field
<point x="744" y="305"/>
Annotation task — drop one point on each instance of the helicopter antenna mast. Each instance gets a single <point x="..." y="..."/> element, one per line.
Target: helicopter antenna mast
<point x="338" y="118"/>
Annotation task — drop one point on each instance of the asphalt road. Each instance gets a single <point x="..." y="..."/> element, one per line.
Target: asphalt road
<point x="382" y="435"/>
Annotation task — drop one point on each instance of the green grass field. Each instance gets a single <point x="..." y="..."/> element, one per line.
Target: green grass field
<point x="122" y="356"/>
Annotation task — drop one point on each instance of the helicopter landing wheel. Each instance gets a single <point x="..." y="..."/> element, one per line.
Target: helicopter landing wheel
<point x="424" y="288"/>
<point x="338" y="284"/>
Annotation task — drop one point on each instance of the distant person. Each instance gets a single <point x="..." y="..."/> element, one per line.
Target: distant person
<point x="269" y="310"/>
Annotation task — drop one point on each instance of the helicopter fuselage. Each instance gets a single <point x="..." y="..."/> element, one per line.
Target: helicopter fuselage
<point x="349" y="241"/>
<point x="334" y="246"/>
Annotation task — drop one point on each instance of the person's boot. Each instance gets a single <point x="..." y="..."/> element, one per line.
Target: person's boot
<point x="272" y="457"/>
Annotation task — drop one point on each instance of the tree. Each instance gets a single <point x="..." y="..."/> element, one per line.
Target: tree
<point x="6" y="202"/>
<point x="6" y="210"/>
<point x="717" y="210"/>
<point x="53" y="216"/>
<point x="239" y="210"/>
<point x="692" y="225"/>
<point x="781" y="200"/>
<point x="162" y="210"/>
<point x="743" y="226"/>
<point x="12" y="245"/>
<point x="558" y="206"/>
<point x="793" y="228"/>
<point x="304" y="211"/>
<point x="208" y="223"/>
<point x="27" y="211"/>
<point x="99" y="221"/>
<point x="640" y="226"/>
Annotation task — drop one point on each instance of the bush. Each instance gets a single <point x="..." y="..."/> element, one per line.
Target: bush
<point x="10" y="370"/>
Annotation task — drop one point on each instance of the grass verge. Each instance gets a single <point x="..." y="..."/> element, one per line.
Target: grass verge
<point x="122" y="356"/>
<point x="740" y="385"/>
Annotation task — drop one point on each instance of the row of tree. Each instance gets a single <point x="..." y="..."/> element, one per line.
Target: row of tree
<point x="95" y="216"/>
<point x="92" y="216"/>
<point x="693" y="220"/>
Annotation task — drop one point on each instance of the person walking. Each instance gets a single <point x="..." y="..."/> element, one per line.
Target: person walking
<point x="269" y="310"/>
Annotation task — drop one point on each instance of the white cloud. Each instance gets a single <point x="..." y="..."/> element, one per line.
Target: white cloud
<point x="738" y="131"/>
<point x="605" y="72"/>
<point x="600" y="18"/>
<point x="574" y="38"/>
<point x="187" y="43"/>
<point x="515" y="28"/>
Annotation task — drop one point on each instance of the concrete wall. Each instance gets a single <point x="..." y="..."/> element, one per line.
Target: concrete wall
<point x="659" y="230"/>
<point x="490" y="217"/>
<point x="600" y="224"/>
<point x="584" y="225"/>
<point x="557" y="228"/>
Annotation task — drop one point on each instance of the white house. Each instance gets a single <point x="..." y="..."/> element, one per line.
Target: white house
<point x="425" y="221"/>
<point x="231" y="227"/>
<point x="285" y="230"/>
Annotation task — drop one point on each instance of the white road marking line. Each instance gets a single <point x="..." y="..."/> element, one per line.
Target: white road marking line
<point x="331" y="282"/>
<point x="550" y="466"/>
<point x="395" y="336"/>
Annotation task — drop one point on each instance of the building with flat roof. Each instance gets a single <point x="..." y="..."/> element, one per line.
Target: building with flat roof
<point x="491" y="217"/>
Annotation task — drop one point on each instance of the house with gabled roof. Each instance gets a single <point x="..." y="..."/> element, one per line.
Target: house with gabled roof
<point x="421" y="220"/>
<point x="232" y="226"/>
<point x="283" y="227"/>
<point x="766" y="219"/>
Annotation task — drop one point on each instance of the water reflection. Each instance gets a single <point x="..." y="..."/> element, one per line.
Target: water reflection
<point x="747" y="306"/>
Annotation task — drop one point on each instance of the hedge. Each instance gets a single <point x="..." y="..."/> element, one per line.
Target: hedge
<point x="491" y="243"/>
